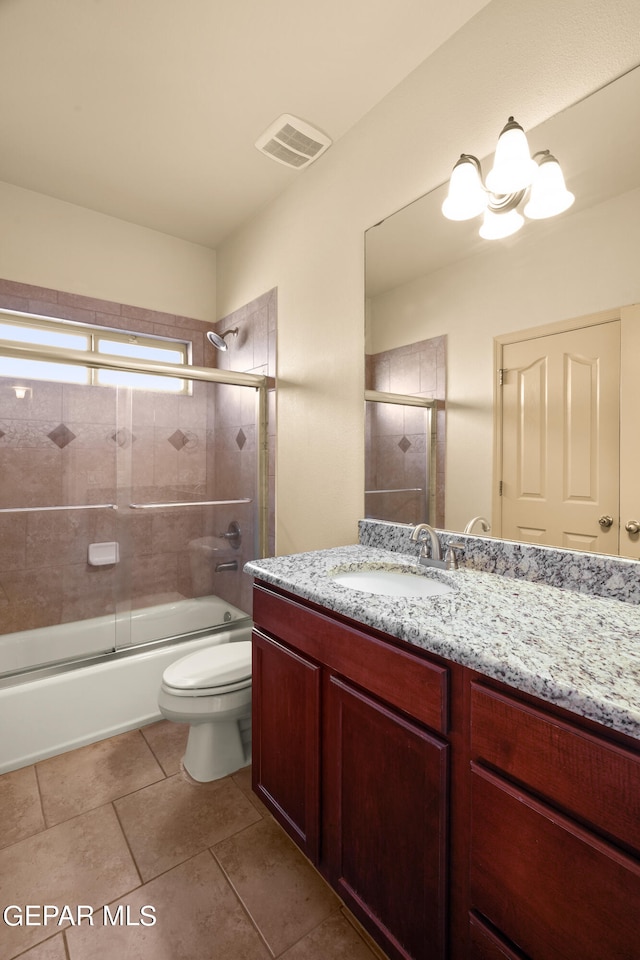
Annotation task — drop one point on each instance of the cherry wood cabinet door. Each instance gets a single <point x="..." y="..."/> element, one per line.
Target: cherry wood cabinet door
<point x="554" y="889"/>
<point x="485" y="945"/>
<point x="385" y="802"/>
<point x="286" y="739"/>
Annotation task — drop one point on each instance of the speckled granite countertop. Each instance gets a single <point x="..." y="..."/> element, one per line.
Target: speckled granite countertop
<point x="579" y="652"/>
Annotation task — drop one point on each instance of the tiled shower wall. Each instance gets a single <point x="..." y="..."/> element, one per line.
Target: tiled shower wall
<point x="396" y="439"/>
<point x="69" y="444"/>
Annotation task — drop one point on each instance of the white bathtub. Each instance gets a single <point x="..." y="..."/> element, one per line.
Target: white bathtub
<point x="43" y="716"/>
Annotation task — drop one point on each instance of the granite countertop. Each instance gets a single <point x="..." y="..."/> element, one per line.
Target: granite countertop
<point x="577" y="651"/>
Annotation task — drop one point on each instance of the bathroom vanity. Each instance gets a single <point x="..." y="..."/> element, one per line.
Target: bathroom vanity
<point x="469" y="788"/>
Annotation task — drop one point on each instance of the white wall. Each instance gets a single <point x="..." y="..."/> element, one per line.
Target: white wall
<point x="497" y="292"/>
<point x="532" y="57"/>
<point x="50" y="243"/>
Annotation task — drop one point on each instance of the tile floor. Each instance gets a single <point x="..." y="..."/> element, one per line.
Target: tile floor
<point x="117" y="823"/>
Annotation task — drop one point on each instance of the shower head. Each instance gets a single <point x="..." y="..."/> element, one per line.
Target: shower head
<point x="218" y="340"/>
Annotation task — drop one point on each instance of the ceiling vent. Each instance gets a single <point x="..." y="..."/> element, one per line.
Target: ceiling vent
<point x="293" y="142"/>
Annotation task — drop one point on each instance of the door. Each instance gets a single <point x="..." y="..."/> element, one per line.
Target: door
<point x="560" y="439"/>
<point x="286" y="739"/>
<point x="385" y="803"/>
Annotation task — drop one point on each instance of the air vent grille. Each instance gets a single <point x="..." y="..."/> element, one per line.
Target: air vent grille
<point x="293" y="142"/>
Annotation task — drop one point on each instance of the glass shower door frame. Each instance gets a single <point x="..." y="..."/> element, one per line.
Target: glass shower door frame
<point x="429" y="406"/>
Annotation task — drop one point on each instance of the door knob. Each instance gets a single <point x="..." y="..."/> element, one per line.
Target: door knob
<point x="632" y="526"/>
<point x="606" y="522"/>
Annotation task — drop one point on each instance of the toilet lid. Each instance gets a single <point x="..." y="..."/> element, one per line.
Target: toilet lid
<point x="216" y="666"/>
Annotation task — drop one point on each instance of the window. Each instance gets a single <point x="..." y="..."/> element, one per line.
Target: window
<point x="66" y="335"/>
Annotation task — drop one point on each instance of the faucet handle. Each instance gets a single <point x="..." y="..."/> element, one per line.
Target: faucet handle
<point x="451" y="560"/>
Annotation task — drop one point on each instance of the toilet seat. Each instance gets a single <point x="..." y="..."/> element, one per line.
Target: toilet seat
<point x="221" y="669"/>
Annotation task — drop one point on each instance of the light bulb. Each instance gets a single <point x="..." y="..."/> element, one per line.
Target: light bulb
<point x="497" y="226"/>
<point x="549" y="195"/>
<point x="513" y="168"/>
<point x="466" y="198"/>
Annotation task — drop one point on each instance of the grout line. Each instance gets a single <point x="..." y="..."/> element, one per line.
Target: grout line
<point x="126" y="840"/>
<point x="44" y="819"/>
<point x="155" y="755"/>
<point x="35" y="946"/>
<point x="243" y="905"/>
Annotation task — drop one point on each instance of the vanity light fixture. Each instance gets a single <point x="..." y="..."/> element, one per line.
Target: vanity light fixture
<point x="514" y="176"/>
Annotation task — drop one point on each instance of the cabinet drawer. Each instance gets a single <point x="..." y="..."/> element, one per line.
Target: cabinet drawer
<point x="553" y="889"/>
<point x="591" y="778"/>
<point x="402" y="679"/>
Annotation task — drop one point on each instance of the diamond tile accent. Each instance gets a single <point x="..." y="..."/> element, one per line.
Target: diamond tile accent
<point x="61" y="436"/>
<point x="123" y="437"/>
<point x="178" y="439"/>
<point x="241" y="438"/>
<point x="404" y="444"/>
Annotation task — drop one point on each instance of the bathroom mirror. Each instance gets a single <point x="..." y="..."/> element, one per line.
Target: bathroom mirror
<point x="429" y="277"/>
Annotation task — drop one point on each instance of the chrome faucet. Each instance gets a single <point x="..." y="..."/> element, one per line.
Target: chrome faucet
<point x="484" y="523"/>
<point x="425" y="534"/>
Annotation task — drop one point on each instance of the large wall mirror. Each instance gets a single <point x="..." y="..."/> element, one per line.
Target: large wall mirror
<point x="433" y="281"/>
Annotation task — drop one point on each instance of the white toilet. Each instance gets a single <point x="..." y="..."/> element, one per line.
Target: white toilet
<point x="211" y="690"/>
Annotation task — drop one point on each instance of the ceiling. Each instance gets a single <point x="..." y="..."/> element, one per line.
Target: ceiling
<point x="148" y="110"/>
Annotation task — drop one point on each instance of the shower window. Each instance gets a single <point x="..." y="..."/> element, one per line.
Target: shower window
<point x="70" y="336"/>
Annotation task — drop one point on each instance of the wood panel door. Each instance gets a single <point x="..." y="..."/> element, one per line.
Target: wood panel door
<point x="561" y="439"/>
<point x="286" y="739"/>
<point x="385" y="803"/>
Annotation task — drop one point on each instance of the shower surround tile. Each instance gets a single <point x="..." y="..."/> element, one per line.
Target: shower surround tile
<point x="37" y="471"/>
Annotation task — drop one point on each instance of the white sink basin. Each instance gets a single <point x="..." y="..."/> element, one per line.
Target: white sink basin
<point x="392" y="583"/>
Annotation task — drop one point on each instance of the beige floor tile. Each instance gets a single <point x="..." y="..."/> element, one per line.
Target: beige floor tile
<point x="198" y="917"/>
<point x="334" y="938"/>
<point x="90" y="776"/>
<point x="243" y="779"/>
<point x="168" y="742"/>
<point x="53" y="949"/>
<point x="82" y="861"/>
<point x="279" y="888"/>
<point x="173" y="820"/>
<point x="20" y="810"/>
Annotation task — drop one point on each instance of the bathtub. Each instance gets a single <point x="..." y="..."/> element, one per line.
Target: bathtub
<point x="108" y="693"/>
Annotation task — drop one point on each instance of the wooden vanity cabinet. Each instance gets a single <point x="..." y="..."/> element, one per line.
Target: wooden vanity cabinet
<point x="456" y="817"/>
<point x="555" y="835"/>
<point x="350" y="756"/>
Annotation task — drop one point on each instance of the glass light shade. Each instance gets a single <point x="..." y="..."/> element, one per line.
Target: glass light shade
<point x="549" y="195"/>
<point x="496" y="226"/>
<point x="513" y="168"/>
<point x="466" y="198"/>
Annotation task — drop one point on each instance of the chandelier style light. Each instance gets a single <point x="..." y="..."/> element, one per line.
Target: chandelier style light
<point x="515" y="175"/>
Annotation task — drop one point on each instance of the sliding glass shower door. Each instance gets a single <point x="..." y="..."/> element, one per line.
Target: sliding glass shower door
<point x="129" y="502"/>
